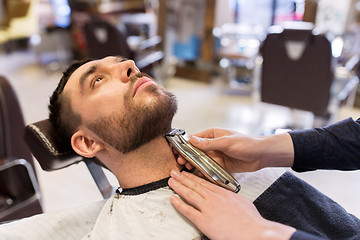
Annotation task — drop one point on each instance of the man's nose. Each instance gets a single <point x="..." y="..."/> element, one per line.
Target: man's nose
<point x="127" y="69"/>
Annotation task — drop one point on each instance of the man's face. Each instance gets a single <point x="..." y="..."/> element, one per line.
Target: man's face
<point x="119" y="104"/>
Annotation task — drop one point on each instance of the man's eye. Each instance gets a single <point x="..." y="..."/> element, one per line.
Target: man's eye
<point x="96" y="81"/>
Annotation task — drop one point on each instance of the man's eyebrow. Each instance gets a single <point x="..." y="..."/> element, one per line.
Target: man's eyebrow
<point x="85" y="75"/>
<point x="93" y="69"/>
<point x="121" y="59"/>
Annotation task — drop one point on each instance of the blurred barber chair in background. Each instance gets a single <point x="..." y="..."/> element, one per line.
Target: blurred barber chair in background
<point x="237" y="46"/>
<point x="298" y="72"/>
<point x="52" y="48"/>
<point x="104" y="39"/>
<point x="19" y="190"/>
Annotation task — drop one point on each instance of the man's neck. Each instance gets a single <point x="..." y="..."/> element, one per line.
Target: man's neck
<point x="149" y="163"/>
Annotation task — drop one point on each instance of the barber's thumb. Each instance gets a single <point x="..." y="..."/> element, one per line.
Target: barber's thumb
<point x="202" y="143"/>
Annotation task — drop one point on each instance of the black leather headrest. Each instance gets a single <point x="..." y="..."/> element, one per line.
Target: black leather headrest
<point x="50" y="154"/>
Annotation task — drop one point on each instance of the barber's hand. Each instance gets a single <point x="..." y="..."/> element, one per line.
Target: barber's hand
<point x="233" y="151"/>
<point x="220" y="213"/>
<point x="240" y="153"/>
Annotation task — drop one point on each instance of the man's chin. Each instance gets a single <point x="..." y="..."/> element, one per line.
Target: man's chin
<point x="148" y="95"/>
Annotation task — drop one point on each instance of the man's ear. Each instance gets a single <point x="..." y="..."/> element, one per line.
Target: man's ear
<point x="85" y="145"/>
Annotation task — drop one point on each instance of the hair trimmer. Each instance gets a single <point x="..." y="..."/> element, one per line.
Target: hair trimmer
<point x="178" y="138"/>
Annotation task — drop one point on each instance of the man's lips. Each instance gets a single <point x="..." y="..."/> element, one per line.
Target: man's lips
<point x="142" y="83"/>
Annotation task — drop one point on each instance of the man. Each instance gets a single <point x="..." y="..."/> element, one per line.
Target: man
<point x="108" y="109"/>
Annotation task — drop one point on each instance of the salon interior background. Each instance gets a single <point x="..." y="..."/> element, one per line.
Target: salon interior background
<point x="205" y="51"/>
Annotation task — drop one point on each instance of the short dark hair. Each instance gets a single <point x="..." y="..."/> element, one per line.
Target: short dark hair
<point x="64" y="120"/>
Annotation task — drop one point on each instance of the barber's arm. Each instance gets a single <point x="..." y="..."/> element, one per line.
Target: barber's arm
<point x="240" y="153"/>
<point x="217" y="211"/>
<point x="336" y="146"/>
<point x="333" y="147"/>
<point x="220" y="213"/>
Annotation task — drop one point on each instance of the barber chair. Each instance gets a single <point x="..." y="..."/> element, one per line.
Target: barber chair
<point x="297" y="72"/>
<point x="19" y="189"/>
<point x="103" y="39"/>
<point x="52" y="155"/>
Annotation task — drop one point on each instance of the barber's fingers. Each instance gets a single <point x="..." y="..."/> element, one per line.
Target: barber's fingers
<point x="183" y="161"/>
<point x="214" y="133"/>
<point x="189" y="212"/>
<point x="194" y="183"/>
<point x="180" y="160"/>
<point x="189" y="194"/>
<point x="210" y="144"/>
<point x="212" y="139"/>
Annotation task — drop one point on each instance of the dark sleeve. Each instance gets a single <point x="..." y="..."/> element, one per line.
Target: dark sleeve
<point x="336" y="146"/>
<point x="300" y="235"/>
<point x="293" y="202"/>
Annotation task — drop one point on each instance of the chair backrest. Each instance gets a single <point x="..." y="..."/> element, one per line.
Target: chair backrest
<point x="54" y="155"/>
<point x="17" y="178"/>
<point x="12" y="145"/>
<point x="11" y="124"/>
<point x="104" y="39"/>
<point x="50" y="153"/>
<point x="301" y="83"/>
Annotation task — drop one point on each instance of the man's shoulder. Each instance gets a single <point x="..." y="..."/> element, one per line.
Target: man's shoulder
<point x="75" y="222"/>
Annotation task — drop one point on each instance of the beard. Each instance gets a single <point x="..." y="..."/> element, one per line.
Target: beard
<point x="141" y="122"/>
